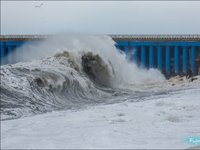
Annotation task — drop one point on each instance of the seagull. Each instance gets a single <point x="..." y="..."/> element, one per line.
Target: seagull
<point x="39" y="6"/>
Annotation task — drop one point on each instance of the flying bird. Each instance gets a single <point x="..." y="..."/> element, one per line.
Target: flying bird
<point x="39" y="6"/>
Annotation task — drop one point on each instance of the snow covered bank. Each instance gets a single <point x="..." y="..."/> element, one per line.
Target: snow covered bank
<point x="157" y="122"/>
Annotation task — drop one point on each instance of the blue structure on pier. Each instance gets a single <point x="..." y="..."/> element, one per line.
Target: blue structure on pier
<point x="171" y="55"/>
<point x="178" y="57"/>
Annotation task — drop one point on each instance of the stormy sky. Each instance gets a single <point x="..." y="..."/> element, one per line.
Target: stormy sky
<point x="100" y="17"/>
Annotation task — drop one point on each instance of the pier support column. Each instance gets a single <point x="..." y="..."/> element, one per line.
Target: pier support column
<point x="185" y="59"/>
<point x="143" y="57"/>
<point x="2" y="53"/>
<point x="9" y="56"/>
<point x="135" y="54"/>
<point x="168" y="59"/>
<point x="176" y="60"/>
<point x="192" y="60"/>
<point x="159" y="58"/>
<point x="126" y="50"/>
<point x="15" y="54"/>
<point x="117" y="46"/>
<point x="151" y="57"/>
<point x="199" y="51"/>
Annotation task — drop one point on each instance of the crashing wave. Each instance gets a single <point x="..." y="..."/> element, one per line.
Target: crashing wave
<point x="51" y="84"/>
<point x="81" y="73"/>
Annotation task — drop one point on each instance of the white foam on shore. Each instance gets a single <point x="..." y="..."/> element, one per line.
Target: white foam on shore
<point x="156" y="123"/>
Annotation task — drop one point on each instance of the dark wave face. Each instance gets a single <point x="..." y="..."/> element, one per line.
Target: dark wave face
<point x="54" y="83"/>
<point x="96" y="69"/>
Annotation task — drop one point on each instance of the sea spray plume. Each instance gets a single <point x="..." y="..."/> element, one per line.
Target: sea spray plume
<point x="125" y="72"/>
<point x="70" y="58"/>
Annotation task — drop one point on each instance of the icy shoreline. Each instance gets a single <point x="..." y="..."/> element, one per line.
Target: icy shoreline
<point x="159" y="122"/>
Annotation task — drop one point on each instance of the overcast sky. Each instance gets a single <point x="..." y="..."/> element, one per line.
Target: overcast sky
<point x="100" y="17"/>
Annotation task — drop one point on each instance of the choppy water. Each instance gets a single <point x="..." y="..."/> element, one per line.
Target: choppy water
<point x="76" y="75"/>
